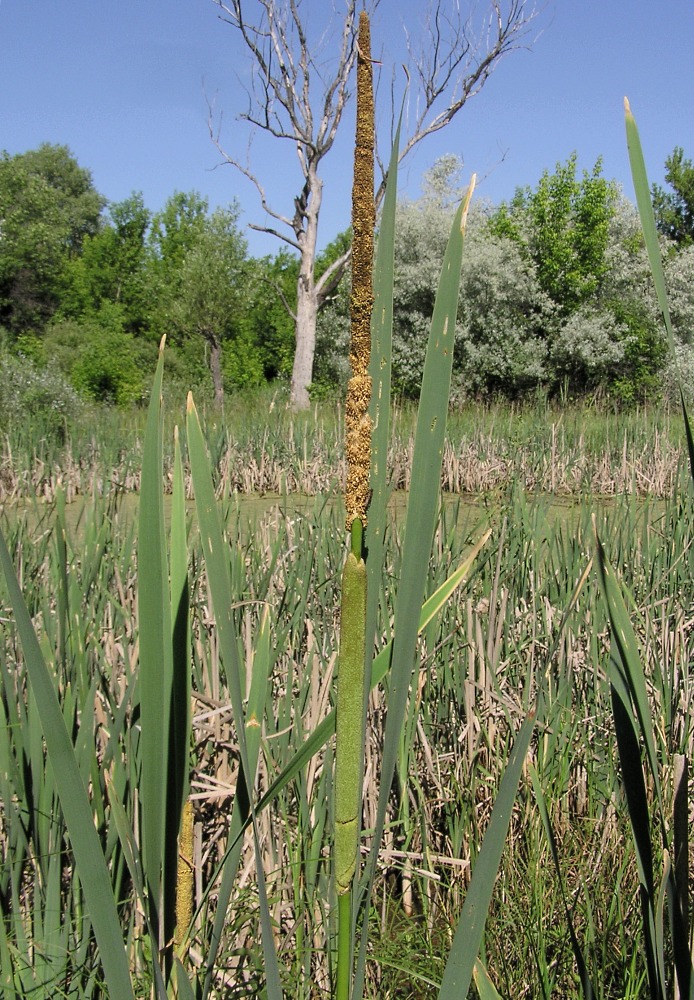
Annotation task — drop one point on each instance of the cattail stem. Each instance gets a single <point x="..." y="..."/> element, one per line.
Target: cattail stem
<point x="349" y="721"/>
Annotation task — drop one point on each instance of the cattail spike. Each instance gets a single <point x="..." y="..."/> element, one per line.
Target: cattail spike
<point x="358" y="422"/>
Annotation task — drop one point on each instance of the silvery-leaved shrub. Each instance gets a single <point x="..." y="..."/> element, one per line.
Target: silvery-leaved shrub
<point x="679" y="280"/>
<point x="421" y="234"/>
<point x="512" y="336"/>
<point x="505" y="318"/>
<point x="628" y="271"/>
<point x="588" y="348"/>
<point x="40" y="394"/>
<point x="679" y="374"/>
<point x="331" y="365"/>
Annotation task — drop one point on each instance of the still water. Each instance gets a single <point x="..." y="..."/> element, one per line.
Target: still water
<point x="465" y="515"/>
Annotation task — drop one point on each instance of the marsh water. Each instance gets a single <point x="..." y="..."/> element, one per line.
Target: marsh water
<point x="464" y="514"/>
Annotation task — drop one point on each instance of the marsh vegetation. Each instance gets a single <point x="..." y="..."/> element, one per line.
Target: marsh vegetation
<point x="477" y="674"/>
<point x="172" y="822"/>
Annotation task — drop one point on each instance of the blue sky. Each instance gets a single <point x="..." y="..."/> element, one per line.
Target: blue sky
<point x="124" y="85"/>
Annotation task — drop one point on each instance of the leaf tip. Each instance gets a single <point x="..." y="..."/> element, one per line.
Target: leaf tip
<point x="190" y="405"/>
<point x="162" y="342"/>
<point x="466" y="202"/>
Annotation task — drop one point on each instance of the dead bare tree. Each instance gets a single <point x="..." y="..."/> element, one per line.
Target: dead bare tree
<point x="291" y="98"/>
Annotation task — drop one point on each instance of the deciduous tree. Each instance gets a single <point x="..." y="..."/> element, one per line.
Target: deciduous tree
<point x="270" y="310"/>
<point x="563" y="226"/>
<point x="211" y="288"/>
<point x="48" y="206"/>
<point x="111" y="268"/>
<point x="674" y="210"/>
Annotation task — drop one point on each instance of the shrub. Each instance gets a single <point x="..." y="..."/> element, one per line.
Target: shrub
<point x="639" y="374"/>
<point x="678" y="373"/>
<point x="331" y="364"/>
<point x="588" y="349"/>
<point x="28" y="391"/>
<point x="679" y="276"/>
<point x="109" y="371"/>
<point x="505" y="320"/>
<point x="102" y="362"/>
<point x="242" y="364"/>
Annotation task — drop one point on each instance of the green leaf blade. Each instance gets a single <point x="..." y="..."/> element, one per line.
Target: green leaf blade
<point x="468" y="936"/>
<point x="86" y="847"/>
<point x="155" y="664"/>
<point x="645" y="207"/>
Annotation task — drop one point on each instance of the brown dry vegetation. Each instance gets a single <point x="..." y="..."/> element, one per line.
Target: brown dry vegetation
<point x="571" y="452"/>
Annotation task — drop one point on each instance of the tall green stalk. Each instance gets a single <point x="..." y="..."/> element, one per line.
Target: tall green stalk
<point x="351" y="681"/>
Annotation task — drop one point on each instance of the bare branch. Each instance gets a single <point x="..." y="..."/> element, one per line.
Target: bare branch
<point x="270" y="46"/>
<point x="282" y="99"/>
<point x="337" y="94"/>
<point x="248" y="173"/>
<point x="274" y="232"/>
<point x="280" y="293"/>
<point x="331" y="277"/>
<point x="455" y="60"/>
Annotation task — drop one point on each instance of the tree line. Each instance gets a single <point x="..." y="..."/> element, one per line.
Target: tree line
<point x="91" y="287"/>
<point x="555" y="292"/>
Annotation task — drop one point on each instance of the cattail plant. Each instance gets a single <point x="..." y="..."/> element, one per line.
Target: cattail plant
<point x="351" y="686"/>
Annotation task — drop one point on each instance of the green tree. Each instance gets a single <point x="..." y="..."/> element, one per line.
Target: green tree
<point x="177" y="227"/>
<point x="173" y="232"/>
<point x="102" y="361"/>
<point x="270" y="311"/>
<point x="210" y="291"/>
<point x="563" y="228"/>
<point x="638" y="377"/>
<point x="674" y="210"/>
<point x="48" y="207"/>
<point x="112" y="268"/>
<point x="78" y="203"/>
